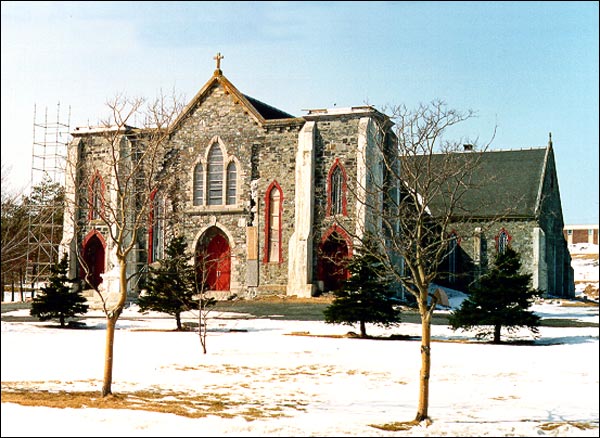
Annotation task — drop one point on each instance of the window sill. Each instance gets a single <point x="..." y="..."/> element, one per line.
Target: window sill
<point x="212" y="209"/>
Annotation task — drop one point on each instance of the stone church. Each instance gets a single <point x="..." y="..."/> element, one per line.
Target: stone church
<point x="266" y="196"/>
<point x="516" y="202"/>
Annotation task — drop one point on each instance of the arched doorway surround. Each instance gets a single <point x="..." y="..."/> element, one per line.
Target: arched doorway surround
<point x="93" y="250"/>
<point x="334" y="251"/>
<point x="213" y="260"/>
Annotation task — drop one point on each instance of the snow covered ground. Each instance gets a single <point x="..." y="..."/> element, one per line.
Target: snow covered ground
<point x="316" y="386"/>
<point x="584" y="261"/>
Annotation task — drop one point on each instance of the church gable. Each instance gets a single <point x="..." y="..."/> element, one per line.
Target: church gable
<point x="549" y="201"/>
<point x="259" y="112"/>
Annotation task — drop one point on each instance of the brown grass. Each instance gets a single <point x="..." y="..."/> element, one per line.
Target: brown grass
<point x="406" y="425"/>
<point x="584" y="256"/>
<point x="579" y="425"/>
<point x="171" y="402"/>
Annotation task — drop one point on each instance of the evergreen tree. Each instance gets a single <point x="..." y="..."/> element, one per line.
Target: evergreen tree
<point x="500" y="300"/>
<point x="57" y="299"/>
<point x="363" y="297"/>
<point x="171" y="286"/>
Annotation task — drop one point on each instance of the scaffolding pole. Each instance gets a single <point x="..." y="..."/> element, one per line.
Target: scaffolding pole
<point x="48" y="162"/>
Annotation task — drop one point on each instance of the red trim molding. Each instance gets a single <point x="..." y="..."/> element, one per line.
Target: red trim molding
<point x="273" y="186"/>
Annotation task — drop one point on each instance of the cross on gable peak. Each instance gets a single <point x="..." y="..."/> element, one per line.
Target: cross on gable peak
<point x="218" y="58"/>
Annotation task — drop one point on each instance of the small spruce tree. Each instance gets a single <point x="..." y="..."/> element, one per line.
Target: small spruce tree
<point x="171" y="285"/>
<point x="58" y="300"/>
<point x="500" y="300"/>
<point x="364" y="297"/>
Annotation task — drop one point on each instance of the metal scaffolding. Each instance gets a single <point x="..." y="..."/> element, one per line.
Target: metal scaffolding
<point x="48" y="160"/>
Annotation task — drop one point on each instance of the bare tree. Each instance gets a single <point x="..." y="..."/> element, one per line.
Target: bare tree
<point x="14" y="233"/>
<point x="414" y="187"/>
<point x="203" y="264"/>
<point x="131" y="163"/>
<point x="28" y="231"/>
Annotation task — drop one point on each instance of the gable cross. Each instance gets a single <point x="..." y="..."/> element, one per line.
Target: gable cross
<point x="218" y="57"/>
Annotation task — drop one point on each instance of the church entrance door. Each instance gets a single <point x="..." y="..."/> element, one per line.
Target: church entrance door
<point x="93" y="258"/>
<point x="213" y="260"/>
<point x="331" y="268"/>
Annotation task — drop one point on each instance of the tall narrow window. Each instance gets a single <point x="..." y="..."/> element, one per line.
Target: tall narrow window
<point x="198" y="184"/>
<point x="452" y="256"/>
<point x="156" y="250"/>
<point x="96" y="197"/>
<point x="231" y="183"/>
<point x="336" y="202"/>
<point x="274" y="199"/>
<point x="215" y="176"/>
<point x="502" y="241"/>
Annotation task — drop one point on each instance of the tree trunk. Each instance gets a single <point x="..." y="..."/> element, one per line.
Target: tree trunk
<point x="112" y="317"/>
<point x="111" y="323"/>
<point x="422" y="412"/>
<point x="178" y="319"/>
<point x="62" y="320"/>
<point x="363" y="330"/>
<point x="497" y="329"/>
<point x="201" y="328"/>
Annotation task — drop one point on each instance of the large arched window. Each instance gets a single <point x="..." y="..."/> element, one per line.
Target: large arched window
<point x="215" y="176"/>
<point x="336" y="190"/>
<point x="502" y="241"/>
<point x="96" y="197"/>
<point x="198" y="184"/>
<point x="231" y="183"/>
<point x="156" y="235"/>
<point x="273" y="211"/>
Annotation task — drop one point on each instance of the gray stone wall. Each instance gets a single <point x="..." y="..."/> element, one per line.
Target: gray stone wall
<point x="554" y="264"/>
<point x="262" y="155"/>
<point x="560" y="273"/>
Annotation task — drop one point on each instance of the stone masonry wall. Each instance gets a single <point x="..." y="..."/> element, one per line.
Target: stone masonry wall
<point x="265" y="155"/>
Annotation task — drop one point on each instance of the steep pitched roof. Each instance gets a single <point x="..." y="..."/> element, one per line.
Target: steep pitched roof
<point x="268" y="112"/>
<point x="504" y="183"/>
<point x="262" y="113"/>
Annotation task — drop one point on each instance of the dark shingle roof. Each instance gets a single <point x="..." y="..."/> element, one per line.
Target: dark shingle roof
<point x="267" y="111"/>
<point x="504" y="183"/>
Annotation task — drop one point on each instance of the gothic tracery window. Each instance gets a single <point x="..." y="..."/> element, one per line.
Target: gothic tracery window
<point x="215" y="181"/>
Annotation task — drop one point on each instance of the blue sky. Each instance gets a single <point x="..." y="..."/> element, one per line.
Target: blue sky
<point x="527" y="68"/>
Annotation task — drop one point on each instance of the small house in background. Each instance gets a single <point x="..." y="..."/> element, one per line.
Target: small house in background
<point x="581" y="234"/>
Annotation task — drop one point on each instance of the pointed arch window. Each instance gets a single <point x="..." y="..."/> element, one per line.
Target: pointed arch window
<point x="273" y="212"/>
<point x="96" y="197"/>
<point x="231" y="183"/>
<point x="198" y="184"/>
<point x="336" y="190"/>
<point x="215" y="176"/>
<point x="156" y="235"/>
<point x="502" y="241"/>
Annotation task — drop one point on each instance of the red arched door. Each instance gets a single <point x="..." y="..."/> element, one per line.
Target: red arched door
<point x="332" y="270"/>
<point x="213" y="261"/>
<point x="93" y="257"/>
